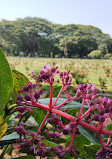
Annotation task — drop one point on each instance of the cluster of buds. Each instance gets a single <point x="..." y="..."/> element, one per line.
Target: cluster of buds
<point x="25" y="102"/>
<point x="94" y="118"/>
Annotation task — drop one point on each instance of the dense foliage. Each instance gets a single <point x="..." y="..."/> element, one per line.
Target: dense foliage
<point x="71" y="127"/>
<point x="39" y="37"/>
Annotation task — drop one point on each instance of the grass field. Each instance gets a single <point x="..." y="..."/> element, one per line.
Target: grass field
<point x="91" y="71"/>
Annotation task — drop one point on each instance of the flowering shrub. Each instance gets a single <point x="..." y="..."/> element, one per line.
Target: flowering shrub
<point x="94" y="118"/>
<point x="61" y="128"/>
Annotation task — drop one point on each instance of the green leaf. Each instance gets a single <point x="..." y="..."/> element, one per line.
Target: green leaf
<point x="39" y="115"/>
<point x="50" y="143"/>
<point x="7" y="142"/>
<point x="20" y="80"/>
<point x="9" y="139"/>
<point x="91" y="137"/>
<point x="79" y="142"/>
<point x="73" y="111"/>
<point x="91" y="150"/>
<point x="11" y="136"/>
<point x="72" y="104"/>
<point x="3" y="127"/>
<point x="6" y="82"/>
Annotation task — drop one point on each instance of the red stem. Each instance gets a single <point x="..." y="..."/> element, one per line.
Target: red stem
<point x="58" y="95"/>
<point x="63" y="114"/>
<point x="85" y="113"/>
<point x="43" y="122"/>
<point x="61" y="104"/>
<point x="73" y="136"/>
<point x="41" y="106"/>
<point x="101" y="141"/>
<point x="81" y="110"/>
<point x="51" y="93"/>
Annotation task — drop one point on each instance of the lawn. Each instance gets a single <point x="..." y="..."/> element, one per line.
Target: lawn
<point x="98" y="71"/>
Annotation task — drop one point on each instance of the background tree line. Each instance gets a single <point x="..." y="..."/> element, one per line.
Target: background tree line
<point x="39" y="37"/>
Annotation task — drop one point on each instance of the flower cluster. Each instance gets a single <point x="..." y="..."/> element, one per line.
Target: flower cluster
<point x="47" y="74"/>
<point x="31" y="95"/>
<point x="98" y="111"/>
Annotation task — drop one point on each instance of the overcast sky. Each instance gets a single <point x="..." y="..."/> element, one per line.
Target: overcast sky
<point x="88" y="12"/>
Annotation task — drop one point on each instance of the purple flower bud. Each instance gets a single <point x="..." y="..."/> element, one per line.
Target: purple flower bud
<point x="44" y="76"/>
<point x="62" y="155"/>
<point x="39" y="152"/>
<point x="66" y="131"/>
<point x="44" y="150"/>
<point x="64" y="73"/>
<point x="57" y="71"/>
<point x="67" y="77"/>
<point x="52" y="135"/>
<point x="37" y="96"/>
<point x="67" y="87"/>
<point x="25" y="88"/>
<point x="60" y="147"/>
<point x="33" y="134"/>
<point x="41" y="72"/>
<point x="34" y="85"/>
<point x="21" y="129"/>
<point x="81" y="86"/>
<point x="20" y="97"/>
<point x="42" y="143"/>
<point x="46" y="131"/>
<point x="101" y="118"/>
<point x="36" y="141"/>
<point x="18" y="102"/>
<point x="101" y="112"/>
<point x="55" y="149"/>
<point x="42" y="138"/>
<point x="96" y="117"/>
<point x="53" y="115"/>
<point x="72" y="125"/>
<point x="16" y="128"/>
<point x="61" y="73"/>
<point x="53" y="70"/>
<point x="29" y="85"/>
<point x="71" y="153"/>
<point x="50" y="120"/>
<point x="20" y="109"/>
<point x="50" y="148"/>
<point x="31" y="149"/>
<point x="27" y="143"/>
<point x="43" y="155"/>
<point x="105" y="99"/>
<point x="40" y="92"/>
<point x="28" y="98"/>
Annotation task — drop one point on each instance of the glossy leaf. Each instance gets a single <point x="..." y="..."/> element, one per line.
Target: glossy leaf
<point x="91" y="150"/>
<point x="20" y="80"/>
<point x="3" y="127"/>
<point x="72" y="104"/>
<point x="11" y="136"/>
<point x="50" y="143"/>
<point x="91" y="137"/>
<point x="39" y="115"/>
<point x="6" y="82"/>
<point x="9" y="139"/>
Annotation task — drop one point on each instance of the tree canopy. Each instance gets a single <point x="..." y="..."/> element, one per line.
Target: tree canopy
<point x="39" y="37"/>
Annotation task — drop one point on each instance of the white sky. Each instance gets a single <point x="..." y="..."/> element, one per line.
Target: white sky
<point x="88" y="12"/>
